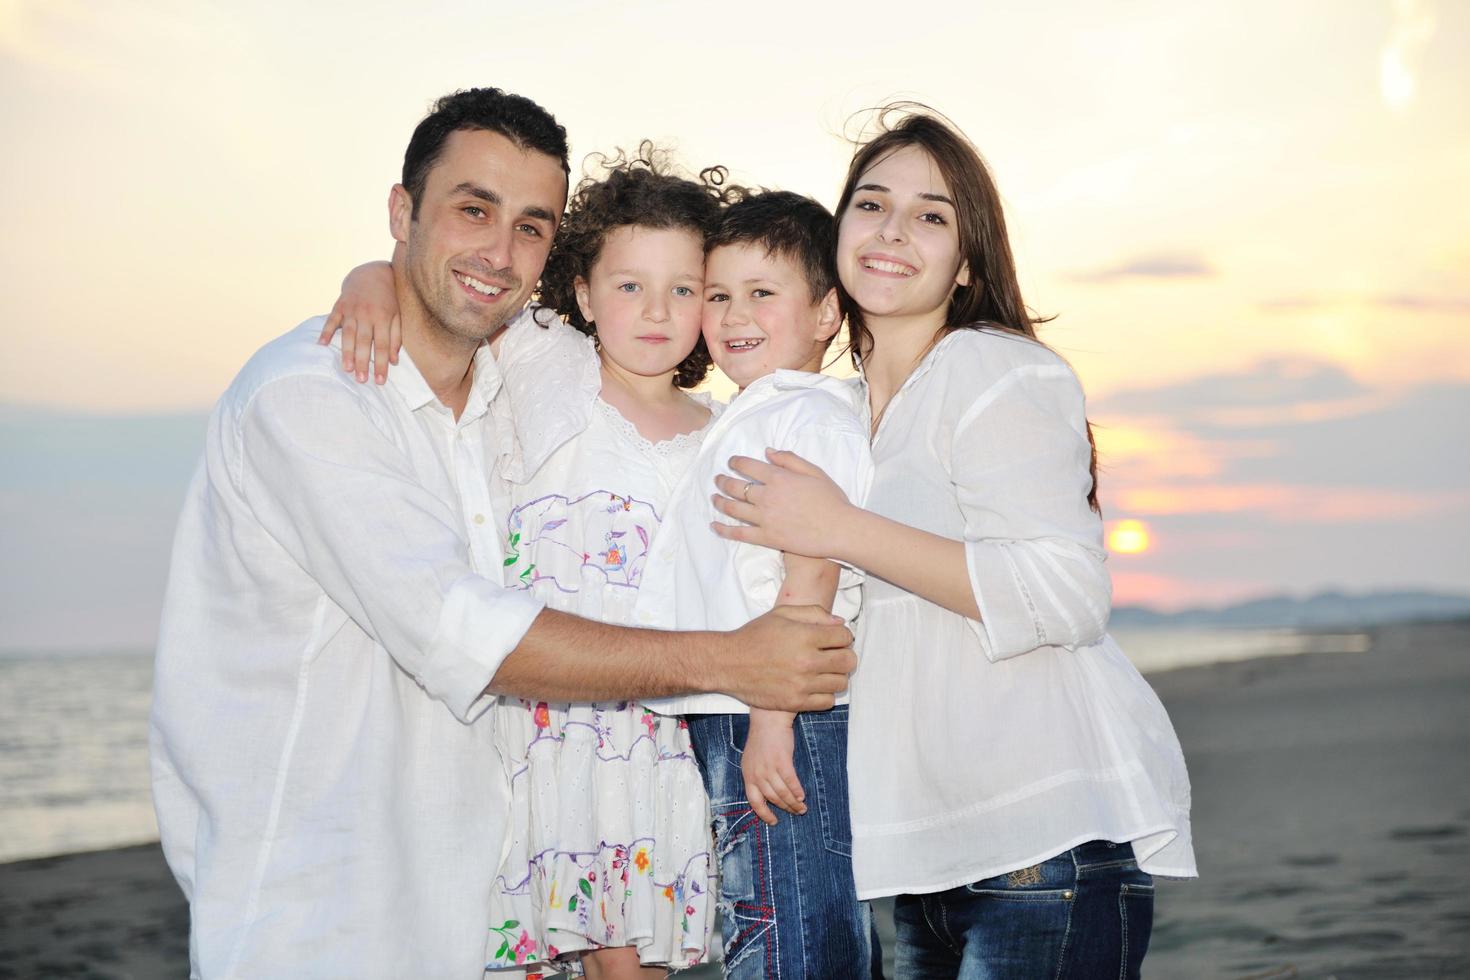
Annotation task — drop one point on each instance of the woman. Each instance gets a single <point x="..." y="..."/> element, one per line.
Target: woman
<point x="1015" y="782"/>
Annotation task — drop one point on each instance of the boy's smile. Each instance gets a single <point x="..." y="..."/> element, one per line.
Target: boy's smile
<point x="759" y="315"/>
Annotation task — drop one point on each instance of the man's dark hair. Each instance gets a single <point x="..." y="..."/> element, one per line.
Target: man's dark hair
<point x="515" y="117"/>
<point x="790" y="225"/>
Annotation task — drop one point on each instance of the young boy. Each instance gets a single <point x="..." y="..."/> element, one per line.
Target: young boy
<point x="787" y="897"/>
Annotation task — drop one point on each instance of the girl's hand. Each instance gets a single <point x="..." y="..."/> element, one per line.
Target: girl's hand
<point x="770" y="776"/>
<point x="788" y="504"/>
<point x="367" y="315"/>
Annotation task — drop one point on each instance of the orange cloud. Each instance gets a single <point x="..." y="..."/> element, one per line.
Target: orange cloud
<point x="1320" y="505"/>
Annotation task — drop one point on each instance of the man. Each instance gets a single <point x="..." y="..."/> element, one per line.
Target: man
<point x="334" y="622"/>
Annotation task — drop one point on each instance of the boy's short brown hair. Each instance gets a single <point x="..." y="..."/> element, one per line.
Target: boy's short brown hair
<point x="790" y="225"/>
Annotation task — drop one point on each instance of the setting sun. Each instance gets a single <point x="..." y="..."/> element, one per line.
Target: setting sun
<point x="1128" y="537"/>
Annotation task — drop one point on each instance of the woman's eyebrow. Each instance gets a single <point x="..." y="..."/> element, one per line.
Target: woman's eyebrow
<point x="943" y="199"/>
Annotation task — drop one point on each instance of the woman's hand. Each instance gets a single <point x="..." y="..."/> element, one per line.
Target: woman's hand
<point x="367" y="315"/>
<point x="766" y="764"/>
<point x="787" y="503"/>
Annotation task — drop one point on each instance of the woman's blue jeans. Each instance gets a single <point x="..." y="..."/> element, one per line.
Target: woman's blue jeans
<point x="1084" y="914"/>
<point x="788" y="905"/>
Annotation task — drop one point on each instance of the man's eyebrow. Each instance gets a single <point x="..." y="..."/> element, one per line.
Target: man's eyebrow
<point x="483" y="193"/>
<point x="490" y="197"/>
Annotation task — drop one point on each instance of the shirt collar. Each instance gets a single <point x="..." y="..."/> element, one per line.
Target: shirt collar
<point x="925" y="363"/>
<point x="782" y="379"/>
<point x="409" y="382"/>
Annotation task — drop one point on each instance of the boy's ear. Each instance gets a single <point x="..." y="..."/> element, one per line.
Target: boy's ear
<point x="829" y="317"/>
<point x="400" y="213"/>
<point x="584" y="298"/>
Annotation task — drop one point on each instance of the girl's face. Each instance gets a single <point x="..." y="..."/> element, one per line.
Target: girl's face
<point x="644" y="295"/>
<point x="898" y="245"/>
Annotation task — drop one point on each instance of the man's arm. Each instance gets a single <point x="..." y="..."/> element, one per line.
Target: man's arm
<point x="794" y="658"/>
<point x="349" y="508"/>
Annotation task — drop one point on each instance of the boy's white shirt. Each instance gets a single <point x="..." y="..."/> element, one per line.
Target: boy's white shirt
<point x="696" y="580"/>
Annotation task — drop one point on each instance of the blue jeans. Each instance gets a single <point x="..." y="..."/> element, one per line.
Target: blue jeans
<point x="788" y="905"/>
<point x="1084" y="914"/>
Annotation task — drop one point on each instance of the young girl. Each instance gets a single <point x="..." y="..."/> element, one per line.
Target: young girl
<point x="609" y="858"/>
<point x="1015" y="782"/>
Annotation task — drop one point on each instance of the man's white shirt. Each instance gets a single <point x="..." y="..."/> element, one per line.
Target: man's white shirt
<point x="333" y="613"/>
<point x="696" y="580"/>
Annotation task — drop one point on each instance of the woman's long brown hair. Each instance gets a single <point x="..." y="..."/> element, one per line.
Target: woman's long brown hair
<point x="992" y="300"/>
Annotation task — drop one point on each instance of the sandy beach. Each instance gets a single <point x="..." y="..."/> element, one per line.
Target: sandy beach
<point x="1332" y="821"/>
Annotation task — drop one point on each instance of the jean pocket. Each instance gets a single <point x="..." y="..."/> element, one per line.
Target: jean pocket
<point x="1136" y="909"/>
<point x="823" y="735"/>
<point x="1050" y="881"/>
<point x="747" y="899"/>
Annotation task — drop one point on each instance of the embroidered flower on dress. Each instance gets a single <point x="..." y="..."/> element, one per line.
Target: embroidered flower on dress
<point x="525" y="947"/>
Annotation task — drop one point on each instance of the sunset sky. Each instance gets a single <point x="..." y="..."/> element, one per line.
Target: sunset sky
<point x="1249" y="218"/>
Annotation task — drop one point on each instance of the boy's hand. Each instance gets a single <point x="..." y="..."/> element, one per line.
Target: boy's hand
<point x="770" y="776"/>
<point x="367" y="315"/>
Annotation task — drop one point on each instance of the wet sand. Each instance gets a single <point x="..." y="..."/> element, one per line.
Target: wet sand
<point x="1331" y="808"/>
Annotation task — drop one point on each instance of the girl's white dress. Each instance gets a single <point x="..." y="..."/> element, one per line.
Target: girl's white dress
<point x="610" y="839"/>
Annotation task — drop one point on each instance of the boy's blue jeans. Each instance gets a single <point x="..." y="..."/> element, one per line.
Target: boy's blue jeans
<point x="788" y="905"/>
<point x="1086" y="913"/>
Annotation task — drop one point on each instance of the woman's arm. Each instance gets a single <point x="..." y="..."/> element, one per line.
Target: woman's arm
<point x="367" y="315"/>
<point x="793" y="502"/>
<point x="1030" y="567"/>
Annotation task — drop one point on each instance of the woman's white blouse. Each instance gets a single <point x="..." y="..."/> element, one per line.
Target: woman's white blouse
<point x="983" y="747"/>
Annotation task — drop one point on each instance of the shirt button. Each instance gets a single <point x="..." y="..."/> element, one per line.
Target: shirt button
<point x="479" y="518"/>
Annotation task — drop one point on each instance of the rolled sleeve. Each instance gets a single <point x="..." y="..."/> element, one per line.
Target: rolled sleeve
<point x="1033" y="547"/>
<point x="480" y="623"/>
<point x="335" y="487"/>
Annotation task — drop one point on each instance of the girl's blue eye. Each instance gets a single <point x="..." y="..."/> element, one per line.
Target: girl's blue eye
<point x="683" y="291"/>
<point x="629" y="287"/>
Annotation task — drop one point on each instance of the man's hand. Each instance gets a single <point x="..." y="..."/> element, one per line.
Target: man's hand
<point x="794" y="658"/>
<point x="766" y="764"/>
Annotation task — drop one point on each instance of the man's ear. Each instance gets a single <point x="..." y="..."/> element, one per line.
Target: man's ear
<point x="829" y="317"/>
<point x="584" y="297"/>
<point x="400" y="213"/>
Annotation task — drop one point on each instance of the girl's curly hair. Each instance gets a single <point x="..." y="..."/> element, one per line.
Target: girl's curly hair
<point x="640" y="191"/>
